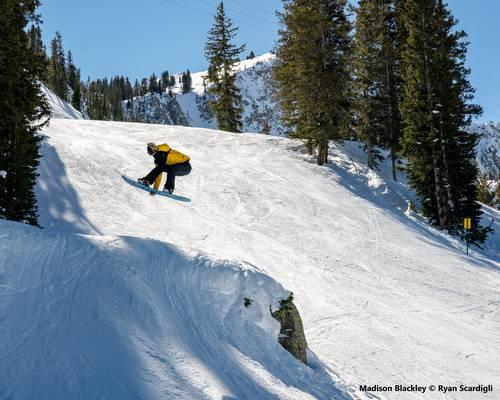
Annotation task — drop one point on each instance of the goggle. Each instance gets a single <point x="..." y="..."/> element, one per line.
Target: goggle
<point x="151" y="151"/>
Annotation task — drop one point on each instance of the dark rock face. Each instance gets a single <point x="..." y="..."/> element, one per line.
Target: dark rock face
<point x="291" y="336"/>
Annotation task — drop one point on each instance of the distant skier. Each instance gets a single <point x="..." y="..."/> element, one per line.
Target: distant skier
<point x="168" y="160"/>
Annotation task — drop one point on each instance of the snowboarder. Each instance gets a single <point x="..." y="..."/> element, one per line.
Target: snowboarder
<point x="168" y="160"/>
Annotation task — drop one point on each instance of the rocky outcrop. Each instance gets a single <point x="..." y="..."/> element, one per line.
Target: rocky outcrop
<point x="155" y="109"/>
<point x="488" y="150"/>
<point x="291" y="336"/>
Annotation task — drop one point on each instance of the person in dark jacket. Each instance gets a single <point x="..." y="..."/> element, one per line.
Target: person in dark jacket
<point x="167" y="160"/>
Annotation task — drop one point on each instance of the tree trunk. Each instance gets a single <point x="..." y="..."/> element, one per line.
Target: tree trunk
<point x="309" y="147"/>
<point x="440" y="201"/>
<point x="392" y="133"/>
<point x="321" y="152"/>
<point x="451" y="203"/>
<point x="326" y="149"/>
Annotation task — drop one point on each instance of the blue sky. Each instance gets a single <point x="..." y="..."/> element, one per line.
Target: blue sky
<point x="135" y="38"/>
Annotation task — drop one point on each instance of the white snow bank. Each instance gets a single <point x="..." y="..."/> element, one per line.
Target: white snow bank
<point x="129" y="318"/>
<point x="60" y="108"/>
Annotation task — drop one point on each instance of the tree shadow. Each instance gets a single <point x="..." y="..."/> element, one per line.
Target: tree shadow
<point x="58" y="203"/>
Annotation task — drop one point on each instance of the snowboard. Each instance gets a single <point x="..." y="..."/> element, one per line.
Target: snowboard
<point x="138" y="185"/>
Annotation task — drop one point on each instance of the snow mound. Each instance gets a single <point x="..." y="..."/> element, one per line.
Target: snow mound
<point x="60" y="108"/>
<point x="130" y="318"/>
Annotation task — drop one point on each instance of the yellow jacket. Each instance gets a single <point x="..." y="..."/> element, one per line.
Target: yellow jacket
<point x="174" y="156"/>
<point x="167" y="156"/>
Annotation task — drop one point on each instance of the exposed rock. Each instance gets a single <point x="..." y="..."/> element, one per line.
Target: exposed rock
<point x="488" y="150"/>
<point x="155" y="109"/>
<point x="291" y="336"/>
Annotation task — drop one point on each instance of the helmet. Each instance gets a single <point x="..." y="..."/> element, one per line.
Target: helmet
<point x="152" y="148"/>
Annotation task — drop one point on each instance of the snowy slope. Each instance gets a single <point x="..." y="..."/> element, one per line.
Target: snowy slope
<point x="60" y="108"/>
<point x="259" y="108"/>
<point x="254" y="81"/>
<point x="385" y="300"/>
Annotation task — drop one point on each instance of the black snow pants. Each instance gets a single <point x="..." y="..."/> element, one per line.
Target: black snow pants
<point x="172" y="171"/>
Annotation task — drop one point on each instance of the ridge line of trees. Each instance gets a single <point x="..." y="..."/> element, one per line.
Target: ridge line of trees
<point x="99" y="99"/>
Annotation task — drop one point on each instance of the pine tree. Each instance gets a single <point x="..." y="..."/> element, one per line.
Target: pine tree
<point x="165" y="81"/>
<point x="144" y="86"/>
<point x="73" y="80"/>
<point x="435" y="109"/>
<point x="36" y="45"/>
<point x="172" y="82"/>
<point x="312" y="72"/>
<point x="57" y="68"/>
<point x="23" y="111"/>
<point x="153" y="84"/>
<point x="137" y="88"/>
<point x="187" y="82"/>
<point x="129" y="91"/>
<point x="376" y="79"/>
<point x="222" y="55"/>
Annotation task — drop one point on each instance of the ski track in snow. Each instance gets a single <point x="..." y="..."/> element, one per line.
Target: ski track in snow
<point x="384" y="299"/>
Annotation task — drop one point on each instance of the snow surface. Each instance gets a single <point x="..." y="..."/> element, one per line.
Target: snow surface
<point x="60" y="108"/>
<point x="104" y="317"/>
<point x="114" y="311"/>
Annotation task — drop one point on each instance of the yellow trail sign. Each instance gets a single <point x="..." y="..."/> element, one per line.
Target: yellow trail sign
<point x="468" y="224"/>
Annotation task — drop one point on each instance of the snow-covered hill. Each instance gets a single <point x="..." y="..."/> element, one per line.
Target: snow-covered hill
<point x="260" y="111"/>
<point x="127" y="296"/>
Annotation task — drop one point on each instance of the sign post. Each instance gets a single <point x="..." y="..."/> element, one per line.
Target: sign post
<point x="467" y="227"/>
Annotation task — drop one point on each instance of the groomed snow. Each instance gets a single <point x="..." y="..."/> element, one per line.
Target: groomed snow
<point x="384" y="299"/>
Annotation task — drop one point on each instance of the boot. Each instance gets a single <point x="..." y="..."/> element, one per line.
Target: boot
<point x="144" y="181"/>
